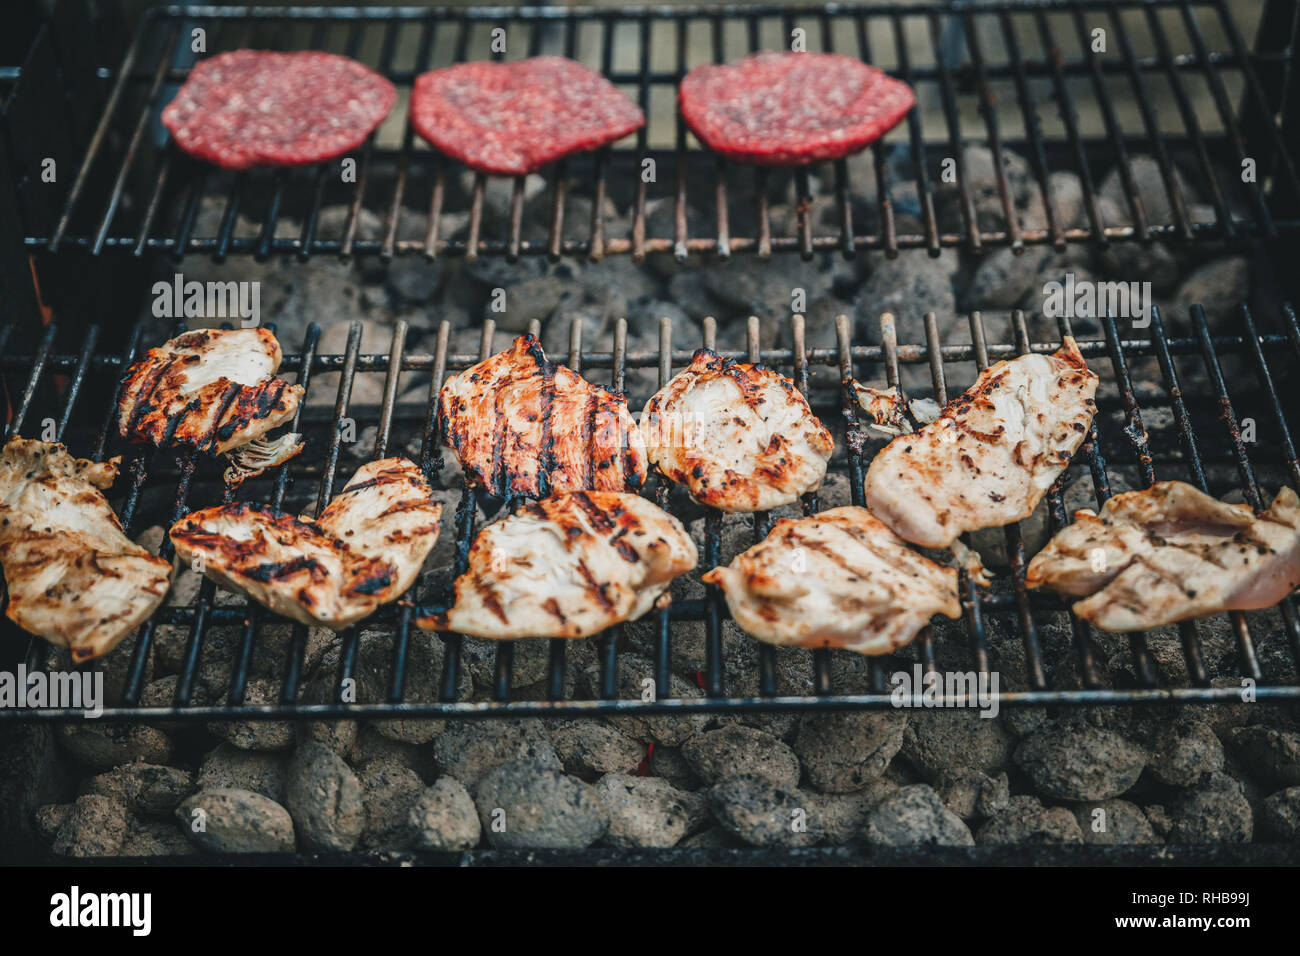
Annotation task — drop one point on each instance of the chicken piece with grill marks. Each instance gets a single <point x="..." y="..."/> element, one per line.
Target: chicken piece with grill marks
<point x="365" y="549"/>
<point x="991" y="455"/>
<point x="213" y="390"/>
<point x="73" y="577"/>
<point x="1171" y="553"/>
<point x="838" y="579"/>
<point x="523" y="425"/>
<point x="739" y="437"/>
<point x="567" y="566"/>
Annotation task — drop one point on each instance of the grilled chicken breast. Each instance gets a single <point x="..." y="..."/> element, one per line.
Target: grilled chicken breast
<point x="739" y="437"/>
<point x="567" y="566"/>
<point x="523" y="425"/>
<point x="991" y="455"/>
<point x="365" y="549"/>
<point x="73" y="577"/>
<point x="837" y="579"/>
<point x="1170" y="553"/>
<point x="214" y="390"/>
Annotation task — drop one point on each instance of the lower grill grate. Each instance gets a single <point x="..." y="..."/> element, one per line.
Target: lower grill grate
<point x="60" y="400"/>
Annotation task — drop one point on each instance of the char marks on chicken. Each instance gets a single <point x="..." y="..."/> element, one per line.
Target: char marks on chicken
<point x="739" y="437"/>
<point x="991" y="455"/>
<point x="567" y="566"/>
<point x="365" y="549"/>
<point x="838" y="579"/>
<point x="1172" y="553"/>
<point x="523" y="425"/>
<point x="213" y="390"/>
<point x="73" y="577"/>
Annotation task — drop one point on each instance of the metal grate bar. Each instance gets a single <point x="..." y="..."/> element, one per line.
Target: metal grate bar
<point x="1138" y="81"/>
<point x="1029" y="109"/>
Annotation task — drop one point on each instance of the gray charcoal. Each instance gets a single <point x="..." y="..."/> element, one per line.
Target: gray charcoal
<point x="413" y="279"/>
<point x="842" y="816"/>
<point x="530" y="804"/>
<point x="257" y="734"/>
<point x="913" y="816"/>
<point x="1026" y="820"/>
<point x="714" y="838"/>
<point x="236" y="821"/>
<point x="338" y="735"/>
<point x="909" y="286"/>
<point x="389" y="793"/>
<point x="938" y="740"/>
<point x="1137" y="262"/>
<point x="668" y="763"/>
<point x="107" y="745"/>
<point x="670" y="729"/>
<point x="1280" y="815"/>
<point x="498" y="196"/>
<point x="749" y="286"/>
<point x="688" y="290"/>
<point x="162" y="693"/>
<point x="479" y="656"/>
<point x="1114" y="823"/>
<point x="738" y="749"/>
<point x="325" y="798"/>
<point x="842" y="752"/>
<point x="593" y="747"/>
<point x="1270" y="754"/>
<point x="468" y="749"/>
<point x="973" y="794"/>
<point x="228" y="767"/>
<point x="373" y="747"/>
<point x="1184" y="752"/>
<point x="531" y="301"/>
<point x="116" y="667"/>
<point x="760" y="813"/>
<point x="443" y="818"/>
<point x="1215" y="812"/>
<point x="1071" y="760"/>
<point x="979" y="177"/>
<point x="1003" y="279"/>
<point x="615" y="281"/>
<point x="1151" y="188"/>
<point x="50" y="818"/>
<point x="646" y="313"/>
<point x="145" y="788"/>
<point x="155" y="838"/>
<point x="1067" y="193"/>
<point x="1221" y="286"/>
<point x="423" y="673"/>
<point x="647" y="811"/>
<point x="96" y="825"/>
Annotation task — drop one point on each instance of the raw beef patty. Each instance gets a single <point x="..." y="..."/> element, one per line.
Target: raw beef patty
<point x="255" y="108"/>
<point x="781" y="109"/>
<point x="516" y="117"/>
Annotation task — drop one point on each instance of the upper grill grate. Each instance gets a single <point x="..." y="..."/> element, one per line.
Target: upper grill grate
<point x="1178" y="80"/>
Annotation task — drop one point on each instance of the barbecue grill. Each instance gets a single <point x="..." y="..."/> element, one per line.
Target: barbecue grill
<point x="135" y="196"/>
<point x="131" y="196"/>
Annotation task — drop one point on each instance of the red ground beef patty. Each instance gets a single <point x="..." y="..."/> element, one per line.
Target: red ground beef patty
<point x="780" y="109"/>
<point x="255" y="108"/>
<point x="516" y="117"/>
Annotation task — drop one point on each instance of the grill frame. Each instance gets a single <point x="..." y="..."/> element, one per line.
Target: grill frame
<point x="1109" y="355"/>
<point x="1174" y="66"/>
